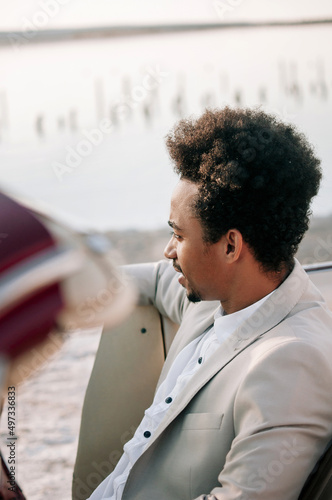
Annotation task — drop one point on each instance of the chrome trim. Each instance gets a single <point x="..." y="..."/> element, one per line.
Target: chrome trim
<point x="43" y="269"/>
<point x="318" y="267"/>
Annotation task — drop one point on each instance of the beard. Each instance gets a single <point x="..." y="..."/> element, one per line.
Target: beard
<point x="194" y="296"/>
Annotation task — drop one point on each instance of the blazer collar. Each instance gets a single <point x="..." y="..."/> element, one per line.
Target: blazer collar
<point x="272" y="312"/>
<point x="199" y="317"/>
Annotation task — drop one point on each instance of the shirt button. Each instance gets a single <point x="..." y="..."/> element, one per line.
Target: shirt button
<point x="200" y="360"/>
<point x="168" y="400"/>
<point x="147" y="434"/>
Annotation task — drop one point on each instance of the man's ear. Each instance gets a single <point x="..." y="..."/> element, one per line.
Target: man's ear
<point x="233" y="245"/>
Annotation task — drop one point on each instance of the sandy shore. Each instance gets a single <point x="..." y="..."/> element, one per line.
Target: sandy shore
<point x="48" y="417"/>
<point x="140" y="246"/>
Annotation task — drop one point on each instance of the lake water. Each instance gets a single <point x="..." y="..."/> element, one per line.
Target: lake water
<point x="52" y="96"/>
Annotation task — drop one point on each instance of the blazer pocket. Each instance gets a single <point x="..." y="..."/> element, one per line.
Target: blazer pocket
<point x="203" y="421"/>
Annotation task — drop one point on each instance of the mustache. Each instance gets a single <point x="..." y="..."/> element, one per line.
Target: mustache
<point x="176" y="267"/>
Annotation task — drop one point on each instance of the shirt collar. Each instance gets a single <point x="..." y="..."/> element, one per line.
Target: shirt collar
<point x="226" y="324"/>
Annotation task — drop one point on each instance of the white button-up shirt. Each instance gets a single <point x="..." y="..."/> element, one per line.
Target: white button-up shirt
<point x="187" y="362"/>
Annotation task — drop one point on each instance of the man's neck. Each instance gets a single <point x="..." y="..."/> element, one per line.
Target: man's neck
<point x="252" y="288"/>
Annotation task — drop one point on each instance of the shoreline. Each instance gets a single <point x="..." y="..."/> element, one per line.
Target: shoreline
<point x="136" y="246"/>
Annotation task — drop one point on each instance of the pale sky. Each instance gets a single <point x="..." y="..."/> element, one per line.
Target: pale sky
<point x="16" y="14"/>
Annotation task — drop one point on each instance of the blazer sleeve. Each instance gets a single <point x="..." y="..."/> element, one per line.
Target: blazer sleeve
<point x="158" y="285"/>
<point x="283" y="422"/>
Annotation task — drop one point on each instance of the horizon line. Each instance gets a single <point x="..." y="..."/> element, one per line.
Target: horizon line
<point x="59" y="34"/>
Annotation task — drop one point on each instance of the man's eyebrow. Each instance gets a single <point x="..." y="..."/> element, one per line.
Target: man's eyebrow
<point x="173" y="225"/>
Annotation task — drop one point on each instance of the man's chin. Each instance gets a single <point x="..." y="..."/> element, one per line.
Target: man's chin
<point x="192" y="295"/>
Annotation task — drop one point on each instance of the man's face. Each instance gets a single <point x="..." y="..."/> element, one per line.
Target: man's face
<point x="197" y="261"/>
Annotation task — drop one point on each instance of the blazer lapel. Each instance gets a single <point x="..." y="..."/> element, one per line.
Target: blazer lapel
<point x="272" y="312"/>
<point x="200" y="318"/>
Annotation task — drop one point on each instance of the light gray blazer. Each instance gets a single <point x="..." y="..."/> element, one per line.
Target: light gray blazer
<point x="255" y="418"/>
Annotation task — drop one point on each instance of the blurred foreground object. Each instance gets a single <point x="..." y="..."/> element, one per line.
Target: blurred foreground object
<point x="52" y="280"/>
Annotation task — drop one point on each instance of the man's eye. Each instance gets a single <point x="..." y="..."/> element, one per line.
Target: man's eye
<point x="174" y="235"/>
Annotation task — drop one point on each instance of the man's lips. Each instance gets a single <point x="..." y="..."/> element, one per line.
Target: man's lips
<point x="177" y="269"/>
<point x="181" y="278"/>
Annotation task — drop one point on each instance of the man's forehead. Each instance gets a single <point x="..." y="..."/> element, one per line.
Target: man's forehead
<point x="182" y="205"/>
<point x="183" y="195"/>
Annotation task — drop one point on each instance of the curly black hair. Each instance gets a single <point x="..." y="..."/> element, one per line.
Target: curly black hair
<point x="255" y="173"/>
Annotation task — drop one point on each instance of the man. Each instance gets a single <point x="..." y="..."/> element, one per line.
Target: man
<point x="242" y="408"/>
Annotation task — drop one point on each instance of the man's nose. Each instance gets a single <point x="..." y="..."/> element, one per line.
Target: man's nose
<point x="170" y="250"/>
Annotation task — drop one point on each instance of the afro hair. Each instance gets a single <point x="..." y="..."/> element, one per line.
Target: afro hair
<point x="255" y="174"/>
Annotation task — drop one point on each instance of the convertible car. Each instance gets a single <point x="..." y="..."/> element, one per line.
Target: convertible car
<point x="108" y="421"/>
